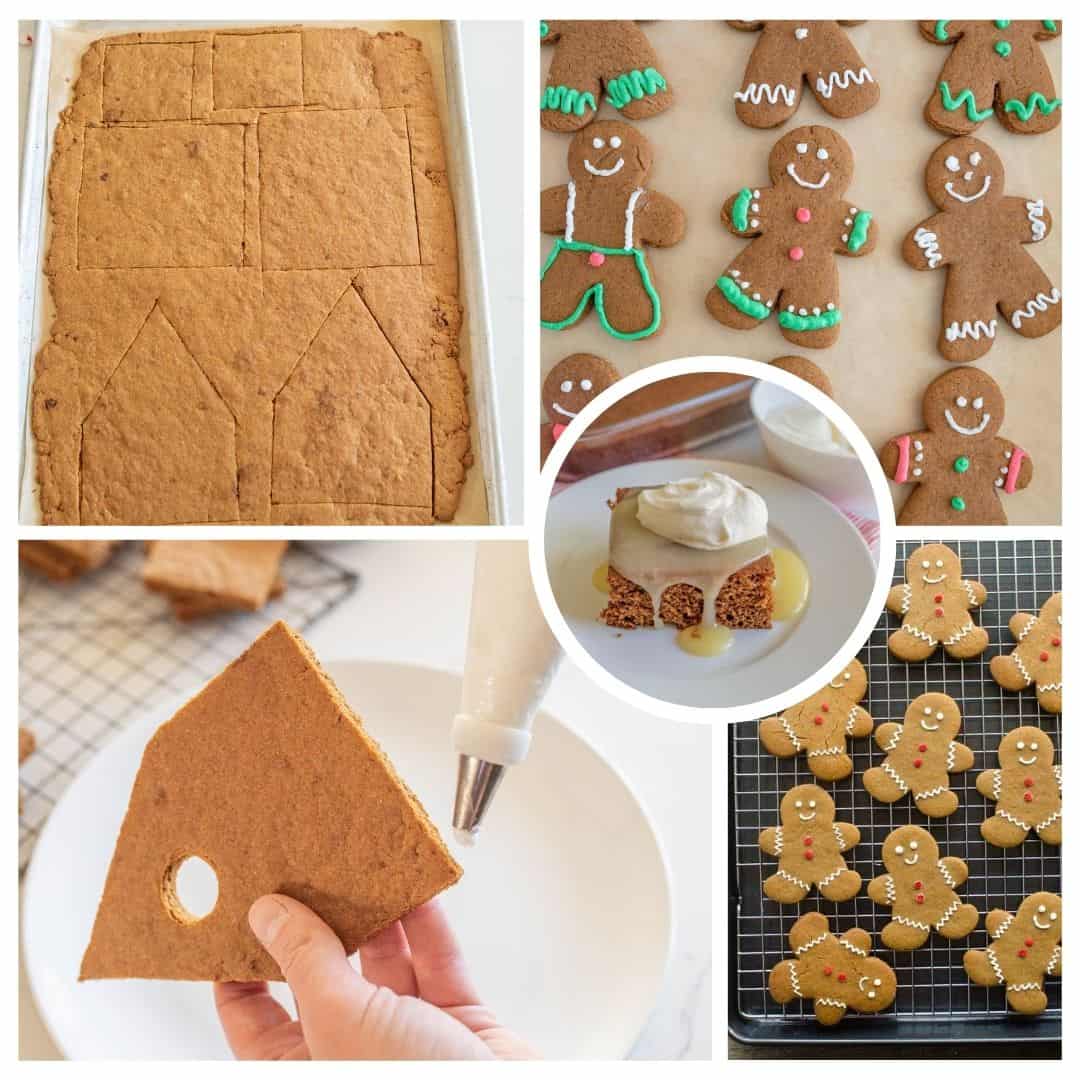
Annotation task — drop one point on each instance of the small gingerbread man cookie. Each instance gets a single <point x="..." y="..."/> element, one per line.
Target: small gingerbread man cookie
<point x="570" y="385"/>
<point x="806" y="370"/>
<point x="1037" y="656"/>
<point x="594" y="56"/>
<point x="788" y="52"/>
<point x="796" y="227"/>
<point x="810" y="842"/>
<point x="837" y="973"/>
<point x="920" y="887"/>
<point x="958" y="465"/>
<point x="820" y="725"/>
<point x="1027" y="790"/>
<point x="934" y="603"/>
<point x="1025" y="948"/>
<point x="980" y="236"/>
<point x="920" y="756"/>
<point x="996" y="65"/>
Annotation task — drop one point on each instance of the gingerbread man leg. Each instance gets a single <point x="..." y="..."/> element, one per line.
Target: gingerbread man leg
<point x="782" y="982"/>
<point x="627" y="302"/>
<point x="1049" y="697"/>
<point x="904" y="936"/>
<point x="938" y="803"/>
<point x="638" y="93"/>
<point x="845" y="87"/>
<point x="772" y="86"/>
<point x="569" y="100"/>
<point x="964" y="95"/>
<point x="910" y="646"/>
<point x="841" y="887"/>
<point x="809" y="304"/>
<point x="1001" y="832"/>
<point x="1007" y="673"/>
<point x="1051" y="833"/>
<point x="960" y="923"/>
<point x="1028" y="1000"/>
<point x="829" y="765"/>
<point x="970" y="640"/>
<point x="565" y="282"/>
<point x="785" y="889"/>
<point x="746" y="292"/>
<point x="1030" y="106"/>
<point x="1029" y="299"/>
<point x="969" y="317"/>
<point x="979" y="969"/>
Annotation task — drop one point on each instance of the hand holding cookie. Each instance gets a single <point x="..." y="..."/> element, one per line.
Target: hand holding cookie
<point x="1026" y="788"/>
<point x="1037" y="656"/>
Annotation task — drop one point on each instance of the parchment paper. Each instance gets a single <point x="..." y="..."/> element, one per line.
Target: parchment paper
<point x="887" y="353"/>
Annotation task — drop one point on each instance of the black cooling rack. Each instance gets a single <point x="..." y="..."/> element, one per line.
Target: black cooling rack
<point x="935" y="1000"/>
<point x="97" y="652"/>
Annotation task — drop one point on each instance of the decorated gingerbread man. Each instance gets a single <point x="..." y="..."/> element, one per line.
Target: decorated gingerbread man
<point x="836" y="973"/>
<point x="570" y="385"/>
<point x="788" y="52"/>
<point x="920" y="887"/>
<point x="606" y="216"/>
<point x="1037" y="656"/>
<point x="920" y="756"/>
<point x="934" y="603"/>
<point x="820" y="725"/>
<point x="593" y="56"/>
<point x="995" y="65"/>
<point x="810" y="842"/>
<point x="1025" y="948"/>
<point x="796" y="227"/>
<point x="1027" y="790"/>
<point x="979" y="238"/>
<point x="959" y="466"/>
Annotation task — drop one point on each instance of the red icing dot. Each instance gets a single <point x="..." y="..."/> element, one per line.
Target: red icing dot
<point x="918" y="884"/>
<point x="824" y="706"/>
<point x="1021" y="953"/>
<point x="1055" y="642"/>
<point x="920" y="898"/>
<point x="923" y="748"/>
<point x="917" y="763"/>
<point x="842" y="977"/>
<point x="808" y="841"/>
<point x="795" y="254"/>
<point x="1044" y="656"/>
<point x="1028" y="797"/>
<point x="939" y="599"/>
<point x="819" y="720"/>
<point x="827" y="970"/>
<point x="1029" y="942"/>
<point x="597" y="258"/>
<point x="939" y="612"/>
<point x="1028" y="782"/>
<point x="809" y="855"/>
<point x="802" y="214"/>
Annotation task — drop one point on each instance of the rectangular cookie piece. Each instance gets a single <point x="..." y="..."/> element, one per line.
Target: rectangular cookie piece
<point x="62" y="560"/>
<point x="203" y="576"/>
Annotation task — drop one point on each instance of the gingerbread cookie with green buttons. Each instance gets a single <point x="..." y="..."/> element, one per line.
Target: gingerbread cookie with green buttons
<point x="958" y="466"/>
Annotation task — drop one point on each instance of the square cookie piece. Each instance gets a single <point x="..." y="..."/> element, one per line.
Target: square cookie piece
<point x="339" y="71"/>
<point x="148" y="81"/>
<point x="162" y="196"/>
<point x="230" y="573"/>
<point x="336" y="190"/>
<point x="258" y="71"/>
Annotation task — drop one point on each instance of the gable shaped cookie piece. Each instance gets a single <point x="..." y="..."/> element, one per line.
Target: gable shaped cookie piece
<point x="269" y="777"/>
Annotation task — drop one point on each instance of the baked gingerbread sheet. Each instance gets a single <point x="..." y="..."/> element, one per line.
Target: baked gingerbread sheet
<point x="252" y="259"/>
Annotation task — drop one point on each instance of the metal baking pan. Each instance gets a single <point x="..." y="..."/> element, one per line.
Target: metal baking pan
<point x="935" y="1001"/>
<point x="484" y="496"/>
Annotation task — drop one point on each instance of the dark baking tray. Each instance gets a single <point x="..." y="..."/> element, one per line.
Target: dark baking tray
<point x="935" y="1002"/>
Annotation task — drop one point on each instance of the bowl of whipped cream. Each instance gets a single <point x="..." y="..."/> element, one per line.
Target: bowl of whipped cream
<point x="804" y="444"/>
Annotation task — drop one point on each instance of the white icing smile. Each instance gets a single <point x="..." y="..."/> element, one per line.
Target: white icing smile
<point x="934" y="580"/>
<point x="968" y="198"/>
<point x="808" y="817"/>
<point x="807" y="183"/>
<point x="845" y="677"/>
<point x="563" y="412"/>
<point x="928" y="727"/>
<point x="867" y="979"/>
<point x="1028" y="760"/>
<point x="913" y="860"/>
<point x="590" y="167"/>
<point x="961" y="430"/>
<point x="1041" y="926"/>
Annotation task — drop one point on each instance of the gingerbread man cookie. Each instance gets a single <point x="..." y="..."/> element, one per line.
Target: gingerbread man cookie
<point x="1027" y="790"/>
<point x="788" y="52"/>
<point x="995" y="65"/>
<point x="1037" y="656"/>
<point x="979" y="237"/>
<point x="806" y="370"/>
<point x="1024" y="949"/>
<point x="920" y="755"/>
<point x="837" y="973"/>
<point x="796" y="227"/>
<point x="934" y="603"/>
<point x="570" y="385"/>
<point x="593" y="56"/>
<point x="920" y="887"/>
<point x="958" y="465"/>
<point x="606" y="215"/>
<point x="810" y="842"/>
<point x="820" y="725"/>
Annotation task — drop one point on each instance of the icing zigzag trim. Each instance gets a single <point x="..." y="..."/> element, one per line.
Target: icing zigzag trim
<point x="754" y="92"/>
<point x="1036" y="305"/>
<point x="842" y="80"/>
<point x="965" y="99"/>
<point x="567" y="100"/>
<point x="928" y="244"/>
<point x="633" y="86"/>
<point x="1036" y="100"/>
<point x="973" y="330"/>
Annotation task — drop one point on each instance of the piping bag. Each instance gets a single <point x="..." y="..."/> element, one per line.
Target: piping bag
<point x="509" y="663"/>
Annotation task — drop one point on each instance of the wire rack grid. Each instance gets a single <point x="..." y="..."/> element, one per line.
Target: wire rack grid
<point x="97" y="652"/>
<point x="932" y="985"/>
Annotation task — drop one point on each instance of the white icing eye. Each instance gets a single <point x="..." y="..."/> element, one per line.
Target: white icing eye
<point x="798" y="804"/>
<point x="598" y="143"/>
<point x="847" y="674"/>
<point x="1053" y="916"/>
<point x="961" y="402"/>
<point x="899" y="849"/>
<point x="974" y="158"/>
<point x="812" y="804"/>
<point x="926" y="564"/>
<point x="877" y="982"/>
<point x="927" y="710"/>
<point x="823" y="154"/>
<point x="566" y="386"/>
<point x="952" y="164"/>
<point x="978" y="403"/>
<point x="940" y="716"/>
<point x="586" y="384"/>
<point x="913" y="845"/>
<point x="615" y="142"/>
<point x="1020" y="746"/>
<point x="939" y="563"/>
<point x="1042" y="908"/>
<point x="800" y="148"/>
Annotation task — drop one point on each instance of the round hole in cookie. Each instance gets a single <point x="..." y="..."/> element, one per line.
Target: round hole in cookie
<point x="189" y="889"/>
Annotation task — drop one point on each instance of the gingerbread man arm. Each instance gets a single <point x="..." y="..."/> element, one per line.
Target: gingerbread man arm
<point x="553" y="209"/>
<point x="860" y="723"/>
<point x="858" y="937"/>
<point x="960" y="758"/>
<point x="884" y="734"/>
<point x="897" y="458"/>
<point x="848" y="834"/>
<point x="986" y="781"/>
<point x="1028" y="220"/>
<point x="943" y="31"/>
<point x="858" y="235"/>
<point x="894" y="602"/>
<point x="878" y="890"/>
<point x="1054" y="967"/>
<point x="550" y="31"/>
<point x="954" y="868"/>
<point x="1017" y="466"/>
<point x="995" y="921"/>
<point x="1019" y="623"/>
<point x="976" y="591"/>
<point x="661" y="221"/>
<point x="739" y="214"/>
<point x="1047" y="29"/>
<point x="812" y="925"/>
<point x="767" y="840"/>
<point x="923" y="248"/>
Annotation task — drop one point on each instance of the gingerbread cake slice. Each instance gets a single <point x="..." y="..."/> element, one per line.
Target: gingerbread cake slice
<point x="269" y="777"/>
<point x="63" y="560"/>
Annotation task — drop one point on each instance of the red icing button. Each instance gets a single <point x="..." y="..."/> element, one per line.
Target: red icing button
<point x="939" y="612"/>
<point x="842" y="977"/>
<point x="1028" y="782"/>
<point x="1028" y="796"/>
<point x="923" y="748"/>
<point x="597" y="258"/>
<point x="819" y="720"/>
<point x="939" y="599"/>
<point x="1021" y="953"/>
<point x="917" y="763"/>
<point x="802" y="214"/>
<point x="1055" y="642"/>
<point x="1044" y="656"/>
<point x="918" y="884"/>
<point x="808" y="841"/>
<point x="920" y="898"/>
<point x="795" y="254"/>
<point x="827" y="970"/>
<point x="809" y="855"/>
<point x="824" y="706"/>
<point x="1029" y="942"/>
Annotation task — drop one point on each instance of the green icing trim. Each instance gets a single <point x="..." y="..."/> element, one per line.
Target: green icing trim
<point x="544" y="29"/>
<point x="1003" y="49"/>
<point x="790" y="321"/>
<point x="861" y="226"/>
<point x="1049" y="24"/>
<point x="966" y="99"/>
<point x="1002" y="24"/>
<point x="1036" y="101"/>
<point x="595" y="293"/>
<point x="940" y="30"/>
<point x="739" y="208"/>
<point x="738" y="299"/>
<point x="633" y="86"/>
<point x="567" y="100"/>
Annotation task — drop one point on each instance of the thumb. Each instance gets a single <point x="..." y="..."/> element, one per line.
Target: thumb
<point x="309" y="953"/>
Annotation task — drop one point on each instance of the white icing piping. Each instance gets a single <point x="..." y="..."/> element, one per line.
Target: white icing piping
<point x="968" y="198"/>
<point x="754" y="93"/>
<point x="842" y="80"/>
<point x="789" y="731"/>
<point x="571" y="199"/>
<point x="974" y="330"/>
<point x="894" y="776"/>
<point x="914" y="631"/>
<point x="628" y="235"/>
<point x="960" y="429"/>
<point x="828" y="879"/>
<point x="928" y="243"/>
<point x="852" y="948"/>
<point x="590" y="167"/>
<point x="1038" y="303"/>
<point x="950" y="911"/>
<point x="807" y="183"/>
<point x="960" y="634"/>
<point x="1035" y="210"/>
<point x="812" y="943"/>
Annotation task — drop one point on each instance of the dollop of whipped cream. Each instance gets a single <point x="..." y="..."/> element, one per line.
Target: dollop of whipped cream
<point x="707" y="512"/>
<point x="804" y="425"/>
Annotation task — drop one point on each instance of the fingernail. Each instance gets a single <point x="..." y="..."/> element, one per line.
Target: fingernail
<point x="266" y="917"/>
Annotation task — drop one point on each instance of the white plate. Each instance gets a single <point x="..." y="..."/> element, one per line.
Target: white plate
<point x="564" y="911"/>
<point x="760" y="663"/>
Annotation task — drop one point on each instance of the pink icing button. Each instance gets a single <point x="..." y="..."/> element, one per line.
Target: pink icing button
<point x="597" y="258"/>
<point x="557" y="430"/>
<point x="795" y="254"/>
<point x="802" y="215"/>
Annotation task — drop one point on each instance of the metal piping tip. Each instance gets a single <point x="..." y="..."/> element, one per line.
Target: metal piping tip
<point x="476" y="783"/>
